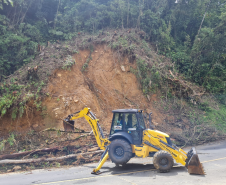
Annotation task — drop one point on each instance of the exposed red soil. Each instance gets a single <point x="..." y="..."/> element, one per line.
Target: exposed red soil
<point x="103" y="87"/>
<point x="32" y="119"/>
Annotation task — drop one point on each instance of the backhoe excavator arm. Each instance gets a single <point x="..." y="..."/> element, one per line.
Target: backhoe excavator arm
<point x="94" y="123"/>
<point x="98" y="132"/>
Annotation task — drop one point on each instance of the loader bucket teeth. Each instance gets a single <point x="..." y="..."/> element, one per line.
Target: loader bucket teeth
<point x="193" y="164"/>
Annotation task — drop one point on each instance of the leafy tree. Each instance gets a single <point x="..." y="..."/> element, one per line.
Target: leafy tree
<point x="7" y="2"/>
<point x="190" y="32"/>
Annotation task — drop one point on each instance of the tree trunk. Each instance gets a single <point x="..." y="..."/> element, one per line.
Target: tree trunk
<point x="56" y="15"/>
<point x="204" y="17"/>
<point x="138" y="20"/>
<point x="128" y="14"/>
<point x="15" y="155"/>
<point x="19" y="15"/>
<point x="22" y="20"/>
<point x="93" y="149"/>
<point x="121" y="11"/>
<point x="140" y="13"/>
<point x="8" y="161"/>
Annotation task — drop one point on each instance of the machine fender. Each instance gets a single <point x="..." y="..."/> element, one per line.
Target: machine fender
<point x="121" y="135"/>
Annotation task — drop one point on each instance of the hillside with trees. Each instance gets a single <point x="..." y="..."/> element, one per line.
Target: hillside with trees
<point x="191" y="32"/>
<point x="171" y="51"/>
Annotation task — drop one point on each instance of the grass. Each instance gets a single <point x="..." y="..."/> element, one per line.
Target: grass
<point x="217" y="117"/>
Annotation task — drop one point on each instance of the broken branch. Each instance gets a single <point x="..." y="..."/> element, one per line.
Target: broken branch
<point x="53" y="129"/>
<point x="15" y="155"/>
<point x="8" y="161"/>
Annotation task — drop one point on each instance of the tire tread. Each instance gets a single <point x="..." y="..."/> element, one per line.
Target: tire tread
<point x="160" y="154"/>
<point x="128" y="151"/>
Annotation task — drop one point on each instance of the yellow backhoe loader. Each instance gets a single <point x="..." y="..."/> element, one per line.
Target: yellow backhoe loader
<point x="129" y="138"/>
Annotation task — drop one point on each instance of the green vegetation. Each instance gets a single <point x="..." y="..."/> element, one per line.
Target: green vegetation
<point x="68" y="63"/>
<point x="11" y="95"/>
<point x="2" y="145"/>
<point x="217" y="117"/>
<point x="16" y="94"/>
<point x="86" y="64"/>
<point x="191" y="33"/>
<point x="11" y="141"/>
<point x="143" y="74"/>
<point x="176" y="29"/>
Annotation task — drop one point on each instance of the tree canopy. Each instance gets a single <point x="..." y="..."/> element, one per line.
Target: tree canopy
<point x="190" y="32"/>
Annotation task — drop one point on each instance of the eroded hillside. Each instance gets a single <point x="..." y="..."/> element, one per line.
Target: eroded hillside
<point x="107" y="83"/>
<point x="111" y="70"/>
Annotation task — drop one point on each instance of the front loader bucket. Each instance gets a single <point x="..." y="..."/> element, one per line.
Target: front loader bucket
<point x="193" y="164"/>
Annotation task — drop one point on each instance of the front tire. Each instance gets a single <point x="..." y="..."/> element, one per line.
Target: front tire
<point x="120" y="151"/>
<point x="163" y="161"/>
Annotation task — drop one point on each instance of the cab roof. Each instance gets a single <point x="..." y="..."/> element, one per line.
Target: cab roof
<point x="127" y="111"/>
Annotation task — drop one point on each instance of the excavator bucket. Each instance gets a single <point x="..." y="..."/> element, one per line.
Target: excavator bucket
<point x="193" y="164"/>
<point x="68" y="125"/>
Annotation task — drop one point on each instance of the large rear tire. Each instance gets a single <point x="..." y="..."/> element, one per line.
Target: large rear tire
<point x="120" y="151"/>
<point x="163" y="161"/>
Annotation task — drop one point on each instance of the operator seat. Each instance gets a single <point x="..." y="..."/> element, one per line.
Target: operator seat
<point x="129" y="122"/>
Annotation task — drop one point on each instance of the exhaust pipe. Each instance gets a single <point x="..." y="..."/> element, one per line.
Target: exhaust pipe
<point x="150" y="121"/>
<point x="193" y="163"/>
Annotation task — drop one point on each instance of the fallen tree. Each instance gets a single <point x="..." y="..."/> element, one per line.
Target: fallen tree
<point x="15" y="155"/>
<point x="80" y="156"/>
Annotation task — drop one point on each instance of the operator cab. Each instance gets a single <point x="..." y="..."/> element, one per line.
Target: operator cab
<point x="128" y="122"/>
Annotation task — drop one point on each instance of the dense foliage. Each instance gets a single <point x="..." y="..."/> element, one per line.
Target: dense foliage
<point x="190" y="32"/>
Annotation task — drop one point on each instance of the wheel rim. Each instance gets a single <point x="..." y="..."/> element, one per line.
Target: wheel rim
<point x="163" y="162"/>
<point x="119" y="152"/>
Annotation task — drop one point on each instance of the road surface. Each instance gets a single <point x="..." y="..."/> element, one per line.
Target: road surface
<point x="137" y="172"/>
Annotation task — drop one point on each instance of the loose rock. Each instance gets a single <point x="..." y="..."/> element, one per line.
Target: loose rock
<point x="123" y="68"/>
<point x="16" y="168"/>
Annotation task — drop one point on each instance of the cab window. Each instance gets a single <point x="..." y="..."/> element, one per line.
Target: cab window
<point x="117" y="124"/>
<point x="141" y="121"/>
<point x="130" y="121"/>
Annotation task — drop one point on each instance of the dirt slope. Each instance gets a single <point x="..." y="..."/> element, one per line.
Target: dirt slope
<point x="103" y="79"/>
<point x="103" y="86"/>
<point x="106" y="84"/>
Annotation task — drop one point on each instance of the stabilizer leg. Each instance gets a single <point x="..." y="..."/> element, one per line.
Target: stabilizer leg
<point x="103" y="159"/>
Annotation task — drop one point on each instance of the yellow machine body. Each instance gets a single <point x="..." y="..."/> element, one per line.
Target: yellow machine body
<point x="153" y="137"/>
<point x="152" y="141"/>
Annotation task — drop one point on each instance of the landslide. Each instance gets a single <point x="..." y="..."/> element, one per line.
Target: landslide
<point x="106" y="84"/>
<point x="99" y="72"/>
<point x="112" y="70"/>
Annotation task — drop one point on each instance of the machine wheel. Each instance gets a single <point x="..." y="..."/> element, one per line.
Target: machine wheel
<point x="163" y="161"/>
<point x="120" y="151"/>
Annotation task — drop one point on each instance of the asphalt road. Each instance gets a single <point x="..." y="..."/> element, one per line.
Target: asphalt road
<point x="137" y="172"/>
